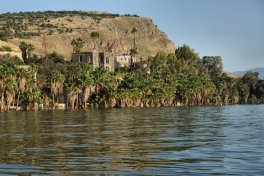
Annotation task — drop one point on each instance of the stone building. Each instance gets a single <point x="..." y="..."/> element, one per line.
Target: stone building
<point x="104" y="60"/>
<point x="123" y="60"/>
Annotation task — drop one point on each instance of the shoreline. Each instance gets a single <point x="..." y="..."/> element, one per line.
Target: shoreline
<point x="134" y="107"/>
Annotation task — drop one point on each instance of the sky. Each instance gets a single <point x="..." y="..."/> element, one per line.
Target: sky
<point x="232" y="29"/>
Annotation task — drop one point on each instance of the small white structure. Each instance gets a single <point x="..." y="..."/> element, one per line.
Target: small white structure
<point x="123" y="60"/>
<point x="106" y="60"/>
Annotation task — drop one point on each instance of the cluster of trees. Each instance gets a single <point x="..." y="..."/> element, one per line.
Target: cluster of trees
<point x="180" y="78"/>
<point x="18" y="87"/>
<point x="15" y="28"/>
<point x="57" y="14"/>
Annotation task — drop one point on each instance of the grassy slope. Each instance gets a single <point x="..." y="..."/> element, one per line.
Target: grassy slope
<point x="115" y="34"/>
<point x="15" y="50"/>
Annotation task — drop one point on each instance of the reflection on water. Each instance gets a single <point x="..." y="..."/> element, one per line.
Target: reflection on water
<point x="199" y="140"/>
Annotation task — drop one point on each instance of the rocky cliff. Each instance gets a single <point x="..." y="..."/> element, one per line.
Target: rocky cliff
<point x="53" y="32"/>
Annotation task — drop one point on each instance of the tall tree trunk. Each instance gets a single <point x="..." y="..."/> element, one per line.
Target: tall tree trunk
<point x="2" y="102"/>
<point x="24" y="56"/>
<point x="77" y="102"/>
<point x="53" y="100"/>
<point x="18" y="97"/>
<point x="9" y="100"/>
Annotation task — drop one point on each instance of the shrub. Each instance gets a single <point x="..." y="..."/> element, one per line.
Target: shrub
<point x="5" y="48"/>
<point x="26" y="35"/>
<point x="50" y="32"/>
<point x="5" y="35"/>
<point x="95" y="35"/>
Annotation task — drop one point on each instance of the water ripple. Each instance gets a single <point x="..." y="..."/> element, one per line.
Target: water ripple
<point x="226" y="140"/>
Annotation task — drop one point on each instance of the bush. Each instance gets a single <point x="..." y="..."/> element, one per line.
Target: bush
<point x="57" y="58"/>
<point x="5" y="35"/>
<point x="26" y="35"/>
<point x="95" y="35"/>
<point x="50" y="32"/>
<point x="7" y="58"/>
<point x="5" y="48"/>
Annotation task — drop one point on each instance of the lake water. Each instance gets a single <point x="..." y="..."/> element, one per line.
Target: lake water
<point x="223" y="140"/>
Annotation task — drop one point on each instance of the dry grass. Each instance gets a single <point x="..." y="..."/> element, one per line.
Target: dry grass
<point x="115" y="35"/>
<point x="15" y="50"/>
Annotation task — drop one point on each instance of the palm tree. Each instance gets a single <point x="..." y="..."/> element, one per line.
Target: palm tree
<point x="10" y="91"/>
<point x="3" y="75"/>
<point x="23" y="47"/>
<point x="133" y="51"/>
<point x="7" y="88"/>
<point x="56" y="80"/>
<point x="22" y="76"/>
<point x="26" y="49"/>
<point x="86" y="83"/>
<point x="72" y="95"/>
<point x="35" y="97"/>
<point x="95" y="36"/>
<point x="134" y="31"/>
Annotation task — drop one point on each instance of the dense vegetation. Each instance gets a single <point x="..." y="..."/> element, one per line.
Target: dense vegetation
<point x="180" y="78"/>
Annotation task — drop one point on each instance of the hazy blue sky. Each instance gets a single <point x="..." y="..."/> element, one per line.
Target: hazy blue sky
<point x="233" y="29"/>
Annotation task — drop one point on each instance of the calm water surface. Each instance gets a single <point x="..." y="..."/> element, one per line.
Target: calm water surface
<point x="227" y="140"/>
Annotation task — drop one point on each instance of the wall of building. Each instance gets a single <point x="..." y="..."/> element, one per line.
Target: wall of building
<point x="105" y="60"/>
<point x="123" y="60"/>
<point x="108" y="61"/>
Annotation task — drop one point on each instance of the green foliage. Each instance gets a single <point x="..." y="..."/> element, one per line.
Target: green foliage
<point x="95" y="35"/>
<point x="186" y="53"/>
<point x="56" y="76"/>
<point x="6" y="34"/>
<point x="54" y="14"/>
<point x="129" y="15"/>
<point x="179" y="78"/>
<point x="214" y="65"/>
<point x="6" y="49"/>
<point x="26" y="49"/>
<point x="26" y="35"/>
<point x="77" y="45"/>
<point x="7" y="58"/>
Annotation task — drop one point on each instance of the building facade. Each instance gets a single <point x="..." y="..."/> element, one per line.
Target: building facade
<point x="123" y="60"/>
<point x="103" y="59"/>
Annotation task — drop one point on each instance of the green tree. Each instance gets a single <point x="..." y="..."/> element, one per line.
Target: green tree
<point x="56" y="80"/>
<point x="251" y="78"/>
<point x="3" y="75"/>
<point x="214" y="65"/>
<point x="260" y="90"/>
<point x="10" y="91"/>
<point x="26" y="49"/>
<point x="77" y="45"/>
<point x="95" y="37"/>
<point x="22" y="76"/>
<point x="186" y="53"/>
<point x="188" y="61"/>
<point x="134" y="50"/>
<point x="72" y="95"/>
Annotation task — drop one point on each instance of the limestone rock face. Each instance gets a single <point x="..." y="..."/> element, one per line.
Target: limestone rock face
<point x="55" y="32"/>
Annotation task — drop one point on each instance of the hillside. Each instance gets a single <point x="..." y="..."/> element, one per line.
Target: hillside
<point x="259" y="70"/>
<point x="53" y="31"/>
<point x="9" y="49"/>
